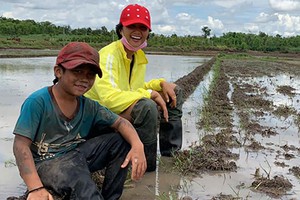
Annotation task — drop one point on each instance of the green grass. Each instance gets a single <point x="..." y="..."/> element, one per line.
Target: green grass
<point x="206" y="113"/>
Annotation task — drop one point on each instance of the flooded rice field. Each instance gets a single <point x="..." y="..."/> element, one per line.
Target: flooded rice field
<point x="241" y="127"/>
<point x="246" y="132"/>
<point x="21" y="76"/>
<point x="249" y="130"/>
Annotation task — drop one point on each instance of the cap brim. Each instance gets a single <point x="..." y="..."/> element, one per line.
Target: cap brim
<point x="136" y="21"/>
<point x="75" y="63"/>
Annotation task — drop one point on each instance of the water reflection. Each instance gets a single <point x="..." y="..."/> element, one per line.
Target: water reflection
<point x="191" y="112"/>
<point x="172" y="67"/>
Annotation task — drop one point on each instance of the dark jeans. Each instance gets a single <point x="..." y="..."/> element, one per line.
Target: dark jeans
<point x="146" y="117"/>
<point x="70" y="175"/>
<point x="170" y="133"/>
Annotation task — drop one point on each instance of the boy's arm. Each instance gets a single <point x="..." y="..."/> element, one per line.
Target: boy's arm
<point x="28" y="172"/>
<point x="136" y="154"/>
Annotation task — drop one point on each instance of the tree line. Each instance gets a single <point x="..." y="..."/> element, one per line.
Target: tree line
<point x="56" y="36"/>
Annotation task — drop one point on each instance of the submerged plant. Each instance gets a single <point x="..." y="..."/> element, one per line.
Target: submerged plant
<point x="10" y="163"/>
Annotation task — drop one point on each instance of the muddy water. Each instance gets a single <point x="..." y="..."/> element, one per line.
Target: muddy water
<point x="238" y="183"/>
<point x="288" y="134"/>
<point x="21" y="76"/>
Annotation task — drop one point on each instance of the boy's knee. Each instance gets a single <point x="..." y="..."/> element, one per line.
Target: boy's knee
<point x="119" y="142"/>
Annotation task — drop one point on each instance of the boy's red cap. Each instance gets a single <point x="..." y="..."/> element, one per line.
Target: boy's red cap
<point x="135" y="13"/>
<point x="77" y="53"/>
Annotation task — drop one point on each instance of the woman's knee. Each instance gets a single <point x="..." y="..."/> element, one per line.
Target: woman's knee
<point x="145" y="109"/>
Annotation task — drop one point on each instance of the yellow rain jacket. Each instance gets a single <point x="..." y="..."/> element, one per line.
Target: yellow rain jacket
<point x="117" y="89"/>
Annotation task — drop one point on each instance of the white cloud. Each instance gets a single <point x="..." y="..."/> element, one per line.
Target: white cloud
<point x="290" y="23"/>
<point x="289" y="34"/>
<point x="285" y="5"/>
<point x="276" y="23"/>
<point x="168" y="30"/>
<point x="251" y="28"/>
<point x="265" y="18"/>
<point x="8" y="15"/>
<point x="215" y="23"/>
<point x="184" y="16"/>
<point x="228" y="3"/>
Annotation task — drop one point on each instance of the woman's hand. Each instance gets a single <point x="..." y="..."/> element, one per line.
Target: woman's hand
<point x="155" y="96"/>
<point x="168" y="92"/>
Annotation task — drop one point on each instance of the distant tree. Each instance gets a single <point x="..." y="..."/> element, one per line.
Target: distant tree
<point x="262" y="34"/>
<point x="66" y="29"/>
<point x="58" y="35"/>
<point x="104" y="30"/>
<point x="206" y="31"/>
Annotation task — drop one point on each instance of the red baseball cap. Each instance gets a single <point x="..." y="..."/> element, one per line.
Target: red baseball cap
<point x="77" y="53"/>
<point x="135" y="13"/>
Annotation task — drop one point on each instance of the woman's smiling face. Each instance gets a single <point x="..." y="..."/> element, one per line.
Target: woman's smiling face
<point x="135" y="34"/>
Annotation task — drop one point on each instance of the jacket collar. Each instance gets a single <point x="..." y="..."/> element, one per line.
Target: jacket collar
<point x="140" y="57"/>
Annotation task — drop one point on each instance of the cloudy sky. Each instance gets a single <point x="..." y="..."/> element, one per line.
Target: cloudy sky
<point x="182" y="17"/>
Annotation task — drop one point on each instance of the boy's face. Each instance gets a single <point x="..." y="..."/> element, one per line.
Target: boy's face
<point x="76" y="81"/>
